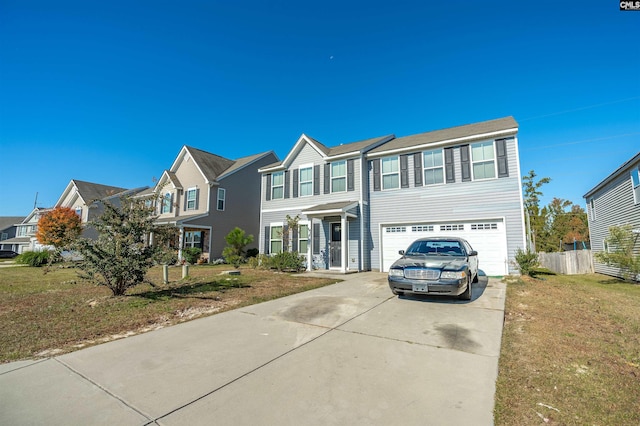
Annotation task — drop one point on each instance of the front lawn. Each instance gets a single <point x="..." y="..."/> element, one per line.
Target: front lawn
<point x="570" y="352"/>
<point x="47" y="314"/>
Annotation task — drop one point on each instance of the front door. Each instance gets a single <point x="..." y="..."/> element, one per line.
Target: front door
<point x="335" y="246"/>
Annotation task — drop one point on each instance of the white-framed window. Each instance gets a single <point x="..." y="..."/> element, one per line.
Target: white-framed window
<point x="339" y="176"/>
<point x="592" y="209"/>
<point x="396" y="229"/>
<point x="275" y="238"/>
<point x="166" y="203"/>
<point x="459" y="227"/>
<point x="306" y="181"/>
<point x="79" y="212"/>
<point x="391" y="173"/>
<point x="222" y="194"/>
<point x="433" y="166"/>
<point x="277" y="185"/>
<point x="192" y="193"/>
<point x="303" y="238"/>
<point x="193" y="239"/>
<point x="635" y="182"/>
<point x="483" y="160"/>
<point x="422" y="228"/>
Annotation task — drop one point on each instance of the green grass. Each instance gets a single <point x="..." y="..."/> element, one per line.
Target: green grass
<point x="571" y="343"/>
<point x="43" y="314"/>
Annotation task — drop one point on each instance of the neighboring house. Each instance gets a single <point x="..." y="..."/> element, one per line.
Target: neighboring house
<point x="25" y="236"/>
<point x="205" y="196"/>
<point x="8" y="228"/>
<point x="86" y="199"/>
<point x="614" y="201"/>
<point x="359" y="203"/>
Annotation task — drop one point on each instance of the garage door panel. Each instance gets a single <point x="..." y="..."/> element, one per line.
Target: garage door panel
<point x="487" y="237"/>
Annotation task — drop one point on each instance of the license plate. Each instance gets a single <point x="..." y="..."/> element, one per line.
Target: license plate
<point x="422" y="288"/>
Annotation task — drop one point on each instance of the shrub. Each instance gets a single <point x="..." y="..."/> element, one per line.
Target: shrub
<point x="527" y="261"/>
<point x="191" y="254"/>
<point x="33" y="258"/>
<point x="287" y="261"/>
<point x="253" y="252"/>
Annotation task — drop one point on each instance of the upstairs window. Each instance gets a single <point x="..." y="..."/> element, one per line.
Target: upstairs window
<point x="390" y="173"/>
<point x="222" y="194"/>
<point x="339" y="176"/>
<point x="433" y="167"/>
<point x="635" y="181"/>
<point x="191" y="199"/>
<point x="166" y="203"/>
<point x="79" y="212"/>
<point x="306" y="181"/>
<point x="483" y="160"/>
<point x="277" y="185"/>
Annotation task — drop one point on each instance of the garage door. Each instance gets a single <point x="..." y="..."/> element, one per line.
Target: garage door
<point x="487" y="237"/>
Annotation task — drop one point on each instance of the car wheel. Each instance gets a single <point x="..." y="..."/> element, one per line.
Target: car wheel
<point x="467" y="293"/>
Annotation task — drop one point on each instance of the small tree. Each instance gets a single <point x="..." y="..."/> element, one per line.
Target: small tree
<point x="527" y="261"/>
<point x="119" y="258"/>
<point x="236" y="240"/>
<point x="59" y="227"/>
<point x="619" y="252"/>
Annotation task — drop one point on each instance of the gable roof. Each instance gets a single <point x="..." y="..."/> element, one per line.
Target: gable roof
<point x="9" y="221"/>
<point x="89" y="191"/>
<point x="342" y="150"/>
<point x="623" y="168"/>
<point x="506" y="126"/>
<point x="243" y="162"/>
<point x="211" y="165"/>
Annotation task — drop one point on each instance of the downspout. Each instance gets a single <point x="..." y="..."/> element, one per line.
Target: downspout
<point x="343" y="241"/>
<point x="363" y="164"/>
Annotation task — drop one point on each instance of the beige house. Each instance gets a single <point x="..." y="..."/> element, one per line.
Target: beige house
<point x="205" y="196"/>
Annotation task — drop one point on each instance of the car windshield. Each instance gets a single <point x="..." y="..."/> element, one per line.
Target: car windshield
<point x="435" y="248"/>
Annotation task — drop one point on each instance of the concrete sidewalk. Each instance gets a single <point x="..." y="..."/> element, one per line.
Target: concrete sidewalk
<point x="349" y="353"/>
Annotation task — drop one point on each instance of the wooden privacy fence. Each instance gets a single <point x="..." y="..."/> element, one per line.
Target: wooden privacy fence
<point x="567" y="262"/>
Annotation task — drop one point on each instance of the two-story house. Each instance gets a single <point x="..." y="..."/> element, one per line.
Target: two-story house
<point x="25" y="233"/>
<point x="205" y="196"/>
<point x="8" y="228"/>
<point x="615" y="201"/>
<point x="360" y="203"/>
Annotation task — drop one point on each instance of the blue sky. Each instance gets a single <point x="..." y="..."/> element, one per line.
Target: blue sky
<point x="108" y="92"/>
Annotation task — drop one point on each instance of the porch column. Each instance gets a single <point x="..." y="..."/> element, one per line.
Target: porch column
<point x="343" y="242"/>
<point x="310" y="246"/>
<point x="180" y="242"/>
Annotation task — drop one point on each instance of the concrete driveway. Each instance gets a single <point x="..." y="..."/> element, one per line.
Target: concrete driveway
<point x="349" y="353"/>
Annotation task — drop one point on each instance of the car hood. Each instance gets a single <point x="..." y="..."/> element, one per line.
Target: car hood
<point x="434" y="262"/>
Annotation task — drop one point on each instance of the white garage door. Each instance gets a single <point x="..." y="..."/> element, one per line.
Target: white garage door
<point x="487" y="237"/>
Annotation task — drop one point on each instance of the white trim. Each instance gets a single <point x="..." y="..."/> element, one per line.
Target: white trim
<point x="494" y="160"/>
<point x="195" y="199"/>
<point x="442" y="167"/>
<point x="224" y="199"/>
<point x="300" y="167"/>
<point x="431" y="145"/>
<point x="271" y="197"/>
<point x="382" y="174"/>
<point x="331" y="177"/>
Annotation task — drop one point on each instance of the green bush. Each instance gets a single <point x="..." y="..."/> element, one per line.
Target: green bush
<point x="191" y="254"/>
<point x="33" y="258"/>
<point x="287" y="261"/>
<point x="527" y="261"/>
<point x="252" y="252"/>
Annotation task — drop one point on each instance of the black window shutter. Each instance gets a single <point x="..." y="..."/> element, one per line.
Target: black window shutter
<point x="327" y="178"/>
<point x="295" y="182"/>
<point x="404" y="171"/>
<point x="316" y="180"/>
<point x="376" y="174"/>
<point x="294" y="240"/>
<point x="316" y="238"/>
<point x="198" y="197"/>
<point x="448" y="165"/>
<point x="350" y="177"/>
<point x="268" y="187"/>
<point x="503" y="167"/>
<point x="287" y="184"/>
<point x="267" y="239"/>
<point x="465" y="163"/>
<point x="417" y="169"/>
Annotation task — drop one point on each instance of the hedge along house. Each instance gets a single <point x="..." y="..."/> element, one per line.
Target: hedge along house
<point x="360" y="203"/>
<point x="205" y="196"/>
<point x="615" y="201"/>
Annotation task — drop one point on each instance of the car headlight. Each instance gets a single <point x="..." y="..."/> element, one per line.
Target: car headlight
<point x="396" y="272"/>
<point x="453" y="275"/>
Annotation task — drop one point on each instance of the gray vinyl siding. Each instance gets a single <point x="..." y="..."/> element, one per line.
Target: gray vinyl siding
<point x="614" y="205"/>
<point x="242" y="206"/>
<point x="459" y="201"/>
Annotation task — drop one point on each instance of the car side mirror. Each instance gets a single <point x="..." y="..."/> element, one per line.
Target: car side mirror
<point x="473" y="253"/>
<point x="401" y="252"/>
